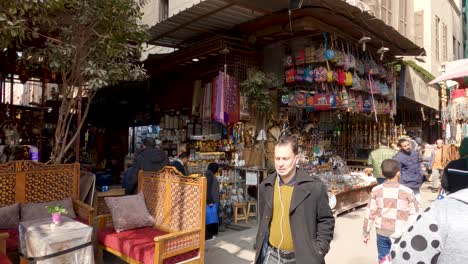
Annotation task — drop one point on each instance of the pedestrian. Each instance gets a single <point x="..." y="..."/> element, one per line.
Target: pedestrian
<point x="411" y="171"/>
<point x="391" y="207"/>
<point x="376" y="157"/>
<point x="212" y="199"/>
<point x="439" y="234"/>
<point x="296" y="223"/>
<point x="437" y="166"/>
<point x="149" y="159"/>
<point x="426" y="154"/>
<point x="180" y="162"/>
<point x="394" y="146"/>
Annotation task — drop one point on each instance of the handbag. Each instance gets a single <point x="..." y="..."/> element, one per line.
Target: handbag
<point x="212" y="214"/>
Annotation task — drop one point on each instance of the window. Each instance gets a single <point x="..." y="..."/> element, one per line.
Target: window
<point x="444" y="42"/>
<point x="163" y="9"/>
<point x="455" y="52"/>
<point x="419" y="27"/>
<point x="403" y="14"/>
<point x="387" y="12"/>
<point x="436" y="51"/>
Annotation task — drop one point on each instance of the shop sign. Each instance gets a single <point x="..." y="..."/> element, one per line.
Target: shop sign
<point x="413" y="87"/>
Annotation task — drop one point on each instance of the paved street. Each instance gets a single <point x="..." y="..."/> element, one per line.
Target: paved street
<point x="347" y="246"/>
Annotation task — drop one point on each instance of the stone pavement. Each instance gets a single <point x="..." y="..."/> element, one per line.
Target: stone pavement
<point x="346" y="248"/>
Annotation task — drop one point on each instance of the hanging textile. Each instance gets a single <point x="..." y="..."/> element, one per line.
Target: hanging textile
<point x="197" y="98"/>
<point x="219" y="111"/>
<point x="207" y="102"/>
<point x="231" y="101"/>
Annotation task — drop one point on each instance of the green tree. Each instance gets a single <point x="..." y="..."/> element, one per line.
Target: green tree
<point x="87" y="44"/>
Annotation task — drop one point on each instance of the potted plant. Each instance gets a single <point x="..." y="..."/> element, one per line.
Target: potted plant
<point x="56" y="211"/>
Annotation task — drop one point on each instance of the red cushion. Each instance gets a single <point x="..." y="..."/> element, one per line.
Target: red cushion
<point x="138" y="244"/>
<point x="12" y="241"/>
<point x="4" y="259"/>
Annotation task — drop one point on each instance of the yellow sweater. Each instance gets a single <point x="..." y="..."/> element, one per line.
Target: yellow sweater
<point x="275" y="232"/>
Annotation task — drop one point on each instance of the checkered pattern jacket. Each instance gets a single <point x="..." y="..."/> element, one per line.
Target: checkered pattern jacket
<point x="391" y="205"/>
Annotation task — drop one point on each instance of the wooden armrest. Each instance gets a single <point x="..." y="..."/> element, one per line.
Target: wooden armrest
<point x="85" y="211"/>
<point x="175" y="235"/>
<point x="3" y="238"/>
<point x="102" y="220"/>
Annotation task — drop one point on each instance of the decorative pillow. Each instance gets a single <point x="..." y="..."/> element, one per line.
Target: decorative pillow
<point x="129" y="212"/>
<point x="9" y="216"/>
<point x="33" y="211"/>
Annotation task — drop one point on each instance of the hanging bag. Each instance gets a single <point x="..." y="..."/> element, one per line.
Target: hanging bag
<point x="341" y="77"/>
<point x="309" y="74"/>
<point x="290" y="75"/>
<point x="356" y="86"/>
<point x="212" y="214"/>
<point x="349" y="79"/>
<point x="299" y="74"/>
<point x="329" y="53"/>
<point x="344" y="98"/>
<point x="322" y="100"/>
<point x="352" y="59"/>
<point x="320" y="74"/>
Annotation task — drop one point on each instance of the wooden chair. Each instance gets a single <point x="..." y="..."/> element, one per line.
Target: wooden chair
<point x="243" y="215"/>
<point x="177" y="204"/>
<point x="252" y="212"/>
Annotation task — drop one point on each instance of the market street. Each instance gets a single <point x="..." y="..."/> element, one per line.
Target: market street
<point x="347" y="246"/>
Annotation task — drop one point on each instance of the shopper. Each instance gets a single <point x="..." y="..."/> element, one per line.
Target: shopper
<point x="411" y="171"/>
<point x="212" y="199"/>
<point x="437" y="165"/>
<point x="296" y="223"/>
<point x="149" y="159"/>
<point x="394" y="146"/>
<point x="377" y="156"/>
<point x="440" y="233"/>
<point x="391" y="206"/>
<point x="180" y="162"/>
<point x="426" y="154"/>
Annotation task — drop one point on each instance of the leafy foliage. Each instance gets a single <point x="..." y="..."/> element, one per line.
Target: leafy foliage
<point x="53" y="209"/>
<point x="257" y="89"/>
<point x="87" y="44"/>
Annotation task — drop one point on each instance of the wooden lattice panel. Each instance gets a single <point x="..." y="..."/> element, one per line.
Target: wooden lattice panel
<point x="48" y="186"/>
<point x="181" y="242"/>
<point x="185" y="207"/>
<point x="154" y="191"/>
<point x="7" y="189"/>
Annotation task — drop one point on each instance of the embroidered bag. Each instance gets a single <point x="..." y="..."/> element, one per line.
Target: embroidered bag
<point x="329" y="53"/>
<point x="341" y="77"/>
<point x="384" y="90"/>
<point x="349" y="79"/>
<point x="330" y="73"/>
<point x="366" y="104"/>
<point x="356" y="86"/>
<point x="300" y="57"/>
<point x="364" y="85"/>
<point x="320" y="74"/>
<point x="344" y="97"/>
<point x="290" y="75"/>
<point x="310" y="99"/>
<point x="300" y="99"/>
<point x="309" y="74"/>
<point x="288" y="62"/>
<point x="359" y="103"/>
<point x="333" y="100"/>
<point x="322" y="100"/>
<point x="352" y="102"/>
<point x="374" y="69"/>
<point x="382" y="71"/>
<point x="360" y="67"/>
<point x="299" y="74"/>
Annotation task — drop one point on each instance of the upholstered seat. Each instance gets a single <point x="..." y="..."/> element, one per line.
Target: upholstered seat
<point x="138" y="244"/>
<point x="4" y="259"/>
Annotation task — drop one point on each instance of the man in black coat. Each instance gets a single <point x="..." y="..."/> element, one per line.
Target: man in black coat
<point x="296" y="222"/>
<point x="149" y="159"/>
<point x="180" y="162"/>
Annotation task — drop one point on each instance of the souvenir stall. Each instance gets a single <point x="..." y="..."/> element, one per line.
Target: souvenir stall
<point x="455" y="117"/>
<point x="339" y="97"/>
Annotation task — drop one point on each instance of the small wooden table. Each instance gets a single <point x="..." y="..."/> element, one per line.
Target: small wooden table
<point x="69" y="242"/>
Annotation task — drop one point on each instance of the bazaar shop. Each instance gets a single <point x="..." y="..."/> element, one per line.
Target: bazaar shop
<point x="330" y="100"/>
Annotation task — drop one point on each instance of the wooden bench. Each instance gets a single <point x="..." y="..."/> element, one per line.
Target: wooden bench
<point x="33" y="182"/>
<point x="178" y="205"/>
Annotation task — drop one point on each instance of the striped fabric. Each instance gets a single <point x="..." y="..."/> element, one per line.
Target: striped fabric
<point x="390" y="207"/>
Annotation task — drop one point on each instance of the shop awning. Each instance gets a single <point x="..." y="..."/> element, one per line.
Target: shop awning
<point x="455" y="70"/>
<point x="211" y="17"/>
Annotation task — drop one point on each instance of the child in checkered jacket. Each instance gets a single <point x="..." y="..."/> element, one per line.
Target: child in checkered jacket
<point x="391" y="208"/>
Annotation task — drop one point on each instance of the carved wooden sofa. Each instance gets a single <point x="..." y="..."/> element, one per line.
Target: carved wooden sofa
<point x="32" y="182"/>
<point x="177" y="204"/>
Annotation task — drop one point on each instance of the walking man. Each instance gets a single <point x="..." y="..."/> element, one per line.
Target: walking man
<point x="376" y="158"/>
<point x="149" y="159"/>
<point x="296" y="223"/>
<point x="411" y="170"/>
<point x="437" y="165"/>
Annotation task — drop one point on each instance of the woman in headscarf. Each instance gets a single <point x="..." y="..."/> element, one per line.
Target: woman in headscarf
<point x="212" y="197"/>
